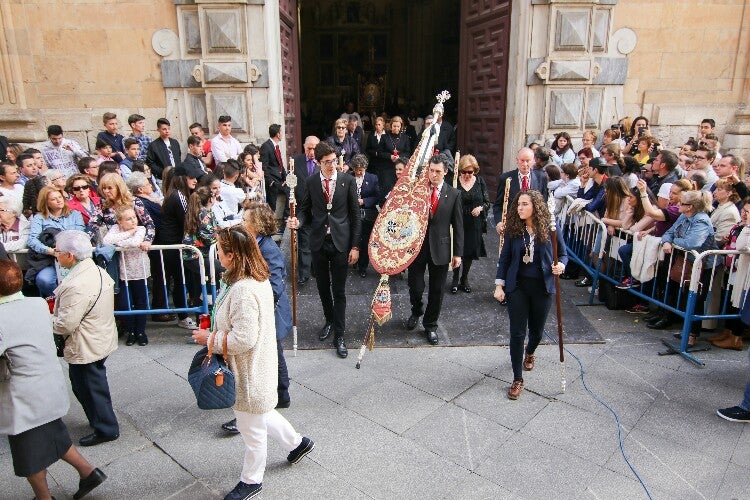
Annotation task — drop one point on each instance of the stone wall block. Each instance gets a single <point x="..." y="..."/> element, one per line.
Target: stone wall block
<point x="572" y="30"/>
<point x="594" y="103"/>
<point x="565" y="108"/>
<point x="191" y="25"/>
<point x="600" y="30"/>
<point x="224" y="30"/>
<point x="225" y="72"/>
<point x="613" y="71"/>
<point x="178" y="73"/>
<point x="233" y="104"/>
<point x="570" y="70"/>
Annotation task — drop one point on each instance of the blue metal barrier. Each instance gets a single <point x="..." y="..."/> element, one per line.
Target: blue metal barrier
<point x="205" y="298"/>
<point x="582" y="229"/>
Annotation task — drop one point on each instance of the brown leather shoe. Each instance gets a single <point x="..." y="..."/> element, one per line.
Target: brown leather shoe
<point x="734" y="342"/>
<point x="725" y="334"/>
<point x="515" y="389"/>
<point x="163" y="318"/>
<point x="528" y="362"/>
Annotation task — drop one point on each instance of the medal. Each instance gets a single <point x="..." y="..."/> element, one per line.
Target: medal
<point x="527" y="259"/>
<point x="329" y="206"/>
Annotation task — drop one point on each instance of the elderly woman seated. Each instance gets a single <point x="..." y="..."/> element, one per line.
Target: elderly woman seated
<point x="84" y="316"/>
<point x="14" y="227"/>
<point x="33" y="394"/>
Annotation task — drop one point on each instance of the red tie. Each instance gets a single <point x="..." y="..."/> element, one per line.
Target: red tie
<point x="278" y="157"/>
<point x="434" y="201"/>
<point x="524" y="183"/>
<point x="328" y="190"/>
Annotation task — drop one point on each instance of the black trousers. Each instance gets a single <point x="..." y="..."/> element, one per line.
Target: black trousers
<point x="435" y="291"/>
<point x="528" y="306"/>
<point x="331" y="268"/>
<point x="304" y="256"/>
<point x="90" y="386"/>
<point x="283" y="383"/>
<point x="364" y="242"/>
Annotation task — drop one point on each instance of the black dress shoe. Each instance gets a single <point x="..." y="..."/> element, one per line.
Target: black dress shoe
<point x="465" y="288"/>
<point x="432" y="337"/>
<point x="652" y="316"/>
<point x="142" y="339"/>
<point x="231" y="427"/>
<point x="90" y="482"/>
<point x="131" y="339"/>
<point x="341" y="350"/>
<point x="325" y="332"/>
<point x="585" y="281"/>
<point x="283" y="404"/>
<point x="566" y="276"/>
<point x="93" y="439"/>
<point x="362" y="273"/>
<point x="411" y="323"/>
<point x="661" y="324"/>
<point x="454" y="289"/>
<point x="302" y="281"/>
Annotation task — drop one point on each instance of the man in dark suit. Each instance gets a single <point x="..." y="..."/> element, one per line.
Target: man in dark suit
<point x="273" y="170"/>
<point x="332" y="212"/>
<point x="304" y="167"/>
<point x="164" y="151"/>
<point x="446" y="140"/>
<point x="193" y="160"/>
<point x="368" y="197"/>
<point x="522" y="178"/>
<point x="435" y="255"/>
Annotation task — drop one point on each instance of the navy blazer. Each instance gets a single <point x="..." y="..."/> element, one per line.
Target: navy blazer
<point x="157" y="156"/>
<point x="510" y="261"/>
<point x="370" y="192"/>
<point x="277" y="267"/>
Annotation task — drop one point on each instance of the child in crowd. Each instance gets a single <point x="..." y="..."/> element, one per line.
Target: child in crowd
<point x="135" y="269"/>
<point x="105" y="151"/>
<point x="132" y="152"/>
<point x="200" y="232"/>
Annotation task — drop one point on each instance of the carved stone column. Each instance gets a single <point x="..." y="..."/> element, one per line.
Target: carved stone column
<point x="576" y="69"/>
<point x="218" y="64"/>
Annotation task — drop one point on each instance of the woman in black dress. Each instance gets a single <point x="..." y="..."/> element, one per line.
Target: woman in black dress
<point x="380" y="159"/>
<point x="396" y="145"/>
<point x="475" y="203"/>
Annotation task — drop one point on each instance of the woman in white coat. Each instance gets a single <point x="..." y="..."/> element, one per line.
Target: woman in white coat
<point x="244" y="316"/>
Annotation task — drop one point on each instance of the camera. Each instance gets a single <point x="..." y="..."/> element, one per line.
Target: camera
<point x="641" y="129"/>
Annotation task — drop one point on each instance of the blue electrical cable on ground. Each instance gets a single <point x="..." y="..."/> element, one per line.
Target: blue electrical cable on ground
<point x="614" y="413"/>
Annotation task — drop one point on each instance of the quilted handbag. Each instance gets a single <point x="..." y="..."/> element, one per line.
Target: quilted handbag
<point x="211" y="379"/>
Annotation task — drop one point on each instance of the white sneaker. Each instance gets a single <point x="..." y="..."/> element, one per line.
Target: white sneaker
<point x="187" y="324"/>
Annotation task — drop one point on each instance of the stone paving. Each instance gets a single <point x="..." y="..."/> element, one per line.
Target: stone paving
<point x="434" y="422"/>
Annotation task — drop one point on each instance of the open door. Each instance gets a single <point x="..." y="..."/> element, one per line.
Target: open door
<point x="483" y="82"/>
<point x="290" y="75"/>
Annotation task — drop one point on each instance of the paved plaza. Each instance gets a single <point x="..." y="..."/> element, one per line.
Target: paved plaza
<point x="434" y="422"/>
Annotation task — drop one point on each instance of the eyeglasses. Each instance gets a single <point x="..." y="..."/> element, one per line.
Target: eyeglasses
<point x="686" y="204"/>
<point x="78" y="188"/>
<point x="340" y="128"/>
<point x="467" y="172"/>
<point x="56" y="179"/>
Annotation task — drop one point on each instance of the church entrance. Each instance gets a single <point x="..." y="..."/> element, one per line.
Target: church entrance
<point x="385" y="56"/>
<point x="394" y="57"/>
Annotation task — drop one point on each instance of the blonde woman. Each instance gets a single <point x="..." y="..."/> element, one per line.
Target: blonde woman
<point x="115" y="194"/>
<point x="343" y="142"/>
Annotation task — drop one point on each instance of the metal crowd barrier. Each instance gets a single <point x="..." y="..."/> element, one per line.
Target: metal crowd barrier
<point x="205" y="297"/>
<point x="581" y="232"/>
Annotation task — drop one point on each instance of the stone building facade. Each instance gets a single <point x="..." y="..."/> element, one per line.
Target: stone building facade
<point x="566" y="65"/>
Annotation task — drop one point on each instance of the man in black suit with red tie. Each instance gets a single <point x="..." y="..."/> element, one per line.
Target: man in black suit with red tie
<point x="331" y="209"/>
<point x="304" y="167"/>
<point x="275" y="176"/>
<point x="435" y="255"/>
<point x="523" y="178"/>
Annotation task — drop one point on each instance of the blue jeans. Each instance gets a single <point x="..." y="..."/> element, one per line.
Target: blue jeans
<point x="745" y="405"/>
<point x="626" y="255"/>
<point x="137" y="289"/>
<point x="46" y="281"/>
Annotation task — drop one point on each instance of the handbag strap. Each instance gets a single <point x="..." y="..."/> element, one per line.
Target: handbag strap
<point x="211" y="338"/>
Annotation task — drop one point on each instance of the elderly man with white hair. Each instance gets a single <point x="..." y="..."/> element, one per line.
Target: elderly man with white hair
<point x="84" y="316"/>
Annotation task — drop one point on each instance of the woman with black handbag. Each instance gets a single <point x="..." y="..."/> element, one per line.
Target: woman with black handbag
<point x="244" y="316"/>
